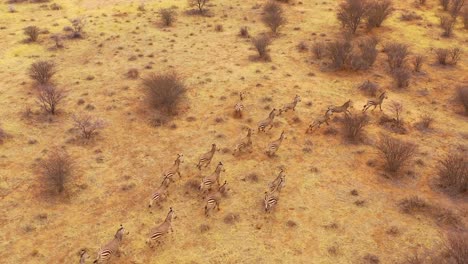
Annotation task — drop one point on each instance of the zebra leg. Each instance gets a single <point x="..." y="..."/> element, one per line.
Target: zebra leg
<point x="380" y="106"/>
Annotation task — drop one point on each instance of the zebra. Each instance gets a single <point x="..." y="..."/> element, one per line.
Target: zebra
<point x="375" y="102"/>
<point x="341" y="109"/>
<point x="270" y="201"/>
<point x="112" y="247"/>
<point x="169" y="174"/>
<point x="290" y="106"/>
<point x="206" y="158"/>
<point x="319" y="121"/>
<point x="159" y="231"/>
<point x="244" y="143"/>
<point x="267" y="122"/>
<point x="239" y="107"/>
<point x="274" y="146"/>
<point x="212" y="200"/>
<point x="208" y="181"/>
<point x="83" y="256"/>
<point x="160" y="194"/>
<point x="278" y="183"/>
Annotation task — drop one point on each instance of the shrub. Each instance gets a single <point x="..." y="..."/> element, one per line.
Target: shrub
<point x="57" y="38"/>
<point x="425" y="122"/>
<point x="261" y="43"/>
<point x="465" y="18"/>
<point x="453" y="172"/>
<point x="219" y="28"/>
<point x="369" y="88"/>
<point x="339" y="51"/>
<point x="133" y="73"/>
<point x="462" y="97"/>
<point x="32" y="32"/>
<point x="367" y="53"/>
<point x="397" y="54"/>
<point x="200" y="4"/>
<point x="413" y="204"/>
<point x="42" y="71"/>
<point x="418" y="61"/>
<point x="456" y="7"/>
<point x="56" y="170"/>
<point x="444" y="4"/>
<point x="397" y="109"/>
<point x="164" y="91"/>
<point x="87" y="125"/>
<point x="244" y="32"/>
<point x="378" y="11"/>
<point x="454" y="55"/>
<point x="49" y="98"/>
<point x="396" y="153"/>
<point x="353" y="126"/>
<point x="168" y="16"/>
<point x="447" y="23"/>
<point x="402" y="77"/>
<point x="448" y="56"/>
<point x="350" y="13"/>
<point x="273" y="16"/>
<point x="77" y="27"/>
<point x="456" y="247"/>
<point x="318" y="49"/>
<point x="302" y="46"/>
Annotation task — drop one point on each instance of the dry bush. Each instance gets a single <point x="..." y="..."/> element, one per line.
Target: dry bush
<point x="302" y="46"/>
<point x="339" y="51"/>
<point x="32" y="32"/>
<point x="410" y="16"/>
<point x="133" y="73"/>
<point x="273" y="16"/>
<point x="87" y="125"/>
<point x="369" y="88"/>
<point x="244" y="32"/>
<point x="261" y="43"/>
<point x="353" y="126"/>
<point x="350" y="13"/>
<point x="442" y="55"/>
<point x="318" y="49"/>
<point x="444" y="4"/>
<point x="456" y="7"/>
<point x="364" y="55"/>
<point x="77" y="27"/>
<point x="57" y="38"/>
<point x="397" y="110"/>
<point x="448" y="56"/>
<point x="56" y="170"/>
<point x="456" y="247"/>
<point x="164" y="91"/>
<point x="454" y="56"/>
<point x="425" y="122"/>
<point x="402" y="77"/>
<point x="462" y="97"/>
<point x="453" y="172"/>
<point x="413" y="204"/>
<point x="219" y="28"/>
<point x="447" y="23"/>
<point x="418" y="61"/>
<point x="397" y="54"/>
<point x="200" y="4"/>
<point x="378" y="11"/>
<point x="168" y="16"/>
<point x="49" y="98"/>
<point x="42" y="71"/>
<point x="465" y="18"/>
<point x="396" y="153"/>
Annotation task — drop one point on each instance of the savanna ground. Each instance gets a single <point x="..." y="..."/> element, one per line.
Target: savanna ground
<point x="317" y="219"/>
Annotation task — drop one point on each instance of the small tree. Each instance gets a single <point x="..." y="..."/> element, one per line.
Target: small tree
<point x="350" y="13"/>
<point x="56" y="170"/>
<point x="396" y="153"/>
<point x="273" y="16"/>
<point x="42" y="71"/>
<point x="447" y="23"/>
<point x="462" y="97"/>
<point x="32" y="32"/>
<point x="353" y="126"/>
<point x="261" y="43"/>
<point x="378" y="11"/>
<point x="453" y="172"/>
<point x="168" y="16"/>
<point x="87" y="125"/>
<point x="200" y="4"/>
<point x="164" y="91"/>
<point x="397" y="54"/>
<point x="49" y="98"/>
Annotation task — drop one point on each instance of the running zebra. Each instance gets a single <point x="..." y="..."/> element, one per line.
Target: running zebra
<point x="319" y="121"/>
<point x="206" y="158"/>
<point x="274" y="146"/>
<point x="375" y="102"/>
<point x="267" y="122"/>
<point x="341" y="109"/>
<point x="170" y="173"/>
<point x="159" y="231"/>
<point x="244" y="143"/>
<point x="112" y="247"/>
<point x="290" y="106"/>
<point x="239" y="107"/>
<point x="160" y="194"/>
<point x="213" y="199"/>
<point x="278" y="183"/>
<point x="270" y="201"/>
<point x="208" y="181"/>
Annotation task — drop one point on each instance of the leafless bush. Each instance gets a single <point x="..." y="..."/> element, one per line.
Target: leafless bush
<point x="168" y="16"/>
<point x="444" y="4"/>
<point x="164" y="91"/>
<point x="425" y="122"/>
<point x="418" y="61"/>
<point x="273" y="16"/>
<point x="397" y="110"/>
<point x="453" y="172"/>
<point x="32" y="32"/>
<point x="57" y="38"/>
<point x="339" y="52"/>
<point x="318" y="49"/>
<point x="462" y="97"/>
<point x="77" y="26"/>
<point x="369" y="88"/>
<point x="87" y="125"/>
<point x="200" y="4"/>
<point x="397" y="54"/>
<point x="49" y="98"/>
<point x="244" y="32"/>
<point x="365" y="54"/>
<point x="56" y="170"/>
<point x="353" y="126"/>
<point x="447" y="23"/>
<point x="456" y="7"/>
<point x="448" y="56"/>
<point x="402" y="77"/>
<point x="42" y="71"/>
<point x="454" y="55"/>
<point x="396" y="153"/>
<point x="350" y="13"/>
<point x="413" y="204"/>
<point x="378" y="11"/>
<point x="261" y="43"/>
<point x="457" y="247"/>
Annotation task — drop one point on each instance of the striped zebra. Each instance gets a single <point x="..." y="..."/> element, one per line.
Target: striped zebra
<point x="262" y="125"/>
<point x="270" y="201"/>
<point x="319" y="121"/>
<point x="341" y="109"/>
<point x="239" y="107"/>
<point x="160" y="194"/>
<point x="274" y="146"/>
<point x="112" y="247"/>
<point x="83" y="256"/>
<point x="375" y="102"/>
<point x="208" y="181"/>
<point x="170" y="173"/>
<point x="213" y="199"/>
<point x="290" y="106"/>
<point x="278" y="183"/>
<point x="244" y="143"/>
<point x="159" y="231"/>
<point x="206" y="158"/>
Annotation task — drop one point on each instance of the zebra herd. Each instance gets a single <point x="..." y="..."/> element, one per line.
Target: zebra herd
<point x="210" y="188"/>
